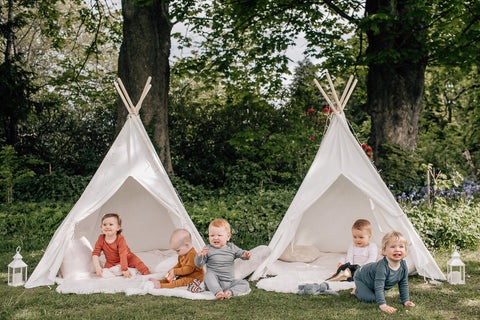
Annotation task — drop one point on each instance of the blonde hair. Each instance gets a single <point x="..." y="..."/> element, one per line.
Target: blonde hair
<point x="114" y="215"/>
<point x="220" y="223"/>
<point x="362" y="224"/>
<point x="393" y="235"/>
<point x="181" y="236"/>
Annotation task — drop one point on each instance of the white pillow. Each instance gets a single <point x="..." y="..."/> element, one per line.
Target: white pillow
<point x="154" y="258"/>
<point x="300" y="254"/>
<point x="245" y="267"/>
<point x="77" y="262"/>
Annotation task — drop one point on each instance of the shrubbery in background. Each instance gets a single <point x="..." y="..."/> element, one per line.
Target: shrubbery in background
<point x="445" y="226"/>
<point x="30" y="225"/>
<point x="254" y="216"/>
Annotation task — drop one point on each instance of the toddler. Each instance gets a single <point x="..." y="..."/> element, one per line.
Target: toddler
<point x="185" y="272"/>
<point x="373" y="279"/>
<point x="117" y="254"/>
<point x="219" y="257"/>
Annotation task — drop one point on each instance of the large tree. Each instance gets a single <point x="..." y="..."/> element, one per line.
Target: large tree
<point x="396" y="40"/>
<point x="145" y="52"/>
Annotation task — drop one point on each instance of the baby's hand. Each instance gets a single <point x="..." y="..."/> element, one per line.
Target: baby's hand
<point x="171" y="274"/>
<point x="246" y="255"/>
<point x="409" y="304"/>
<point x="386" y="308"/>
<point x="127" y="274"/>
<point x="99" y="271"/>
<point x="204" y="252"/>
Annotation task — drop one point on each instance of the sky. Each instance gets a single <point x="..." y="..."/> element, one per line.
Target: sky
<point x="294" y="53"/>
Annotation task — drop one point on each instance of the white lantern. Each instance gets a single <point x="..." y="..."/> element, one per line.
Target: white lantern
<point x="17" y="271"/>
<point x="455" y="269"/>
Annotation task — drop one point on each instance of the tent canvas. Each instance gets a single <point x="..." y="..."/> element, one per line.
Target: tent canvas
<point x="341" y="186"/>
<point x="130" y="181"/>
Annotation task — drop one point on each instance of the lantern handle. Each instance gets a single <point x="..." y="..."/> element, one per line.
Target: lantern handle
<point x="18" y="249"/>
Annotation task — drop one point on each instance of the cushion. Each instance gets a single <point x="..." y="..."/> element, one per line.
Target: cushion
<point x="158" y="261"/>
<point x="77" y="262"/>
<point x="300" y="254"/>
<point x="245" y="267"/>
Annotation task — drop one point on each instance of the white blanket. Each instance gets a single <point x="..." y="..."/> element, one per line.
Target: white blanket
<point x="137" y="285"/>
<point x="159" y="262"/>
<point x="287" y="276"/>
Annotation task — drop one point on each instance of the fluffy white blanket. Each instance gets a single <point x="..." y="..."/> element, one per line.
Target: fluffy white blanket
<point x="159" y="262"/>
<point x="287" y="276"/>
<point x="137" y="285"/>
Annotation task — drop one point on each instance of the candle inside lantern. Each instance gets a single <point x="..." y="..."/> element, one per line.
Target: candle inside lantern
<point x="456" y="276"/>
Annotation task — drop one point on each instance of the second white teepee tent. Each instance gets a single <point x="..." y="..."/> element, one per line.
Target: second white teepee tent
<point x="132" y="182"/>
<point x="340" y="187"/>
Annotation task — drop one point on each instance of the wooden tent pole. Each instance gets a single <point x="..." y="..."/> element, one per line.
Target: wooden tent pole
<point x="126" y="94"/>
<point x="349" y="93"/>
<point x="144" y="94"/>
<point x="325" y="95"/>
<point x="334" y="92"/>
<point x="345" y="90"/>
<point x="120" y="93"/>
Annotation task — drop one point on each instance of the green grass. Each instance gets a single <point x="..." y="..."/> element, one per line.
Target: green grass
<point x="433" y="302"/>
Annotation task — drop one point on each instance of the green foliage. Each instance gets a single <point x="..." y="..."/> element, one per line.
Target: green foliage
<point x="253" y="217"/>
<point x="402" y="168"/>
<point x="445" y="226"/>
<point x="449" y="133"/>
<point x="72" y="142"/>
<point x="16" y="98"/>
<point x="52" y="187"/>
<point x="12" y="172"/>
<point x="221" y="136"/>
<point x="30" y="225"/>
<point x="58" y="86"/>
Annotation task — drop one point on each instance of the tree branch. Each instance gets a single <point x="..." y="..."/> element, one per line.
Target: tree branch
<point x="340" y="12"/>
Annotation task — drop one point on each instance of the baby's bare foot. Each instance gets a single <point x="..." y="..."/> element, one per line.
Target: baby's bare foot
<point x="227" y="294"/>
<point x="220" y="296"/>
<point x="156" y="283"/>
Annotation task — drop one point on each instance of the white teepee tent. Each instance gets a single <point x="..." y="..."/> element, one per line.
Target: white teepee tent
<point x="340" y="187"/>
<point x="130" y="181"/>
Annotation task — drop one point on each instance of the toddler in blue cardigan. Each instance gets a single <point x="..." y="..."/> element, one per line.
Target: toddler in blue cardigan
<point x="373" y="279"/>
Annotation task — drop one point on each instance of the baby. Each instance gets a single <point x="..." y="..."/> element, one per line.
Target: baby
<point x="185" y="272"/>
<point x="373" y="279"/>
<point x="219" y="257"/>
<point x="360" y="251"/>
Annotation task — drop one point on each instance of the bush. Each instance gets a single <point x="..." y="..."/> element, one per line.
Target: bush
<point x="445" y="226"/>
<point x="253" y="217"/>
<point x="30" y="225"/>
<point x="51" y="187"/>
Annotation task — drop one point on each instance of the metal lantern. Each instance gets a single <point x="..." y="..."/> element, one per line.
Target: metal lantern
<point x="17" y="271"/>
<point x="455" y="269"/>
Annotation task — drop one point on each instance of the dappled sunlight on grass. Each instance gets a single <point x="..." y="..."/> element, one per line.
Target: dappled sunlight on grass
<point x="448" y="290"/>
<point x="29" y="313"/>
<point x="471" y="303"/>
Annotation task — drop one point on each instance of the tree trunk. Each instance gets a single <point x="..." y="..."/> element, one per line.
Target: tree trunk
<point x="395" y="82"/>
<point x="144" y="52"/>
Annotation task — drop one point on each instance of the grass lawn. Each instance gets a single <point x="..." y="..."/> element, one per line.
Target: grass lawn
<point x="433" y="302"/>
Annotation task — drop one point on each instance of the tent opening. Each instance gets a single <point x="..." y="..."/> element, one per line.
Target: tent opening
<point x="141" y="213"/>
